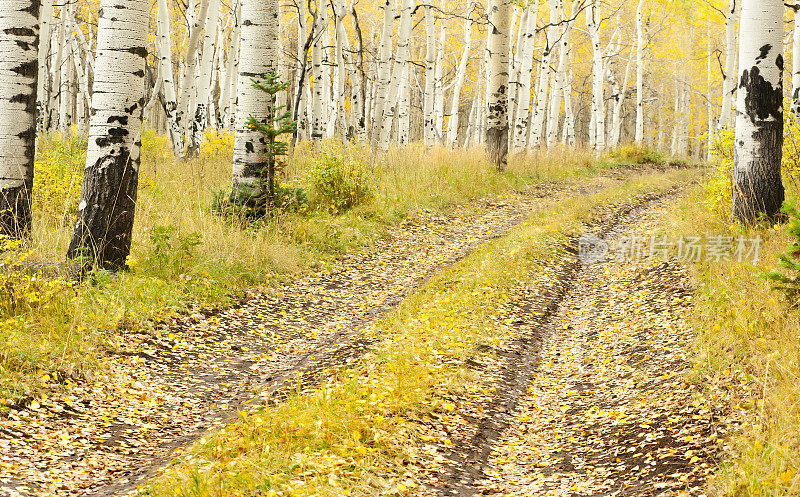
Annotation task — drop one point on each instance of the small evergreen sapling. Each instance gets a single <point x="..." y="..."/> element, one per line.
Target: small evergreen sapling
<point x="789" y="260"/>
<point x="258" y="201"/>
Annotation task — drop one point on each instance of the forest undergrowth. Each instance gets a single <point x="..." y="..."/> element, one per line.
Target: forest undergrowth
<point x="748" y="339"/>
<point x="185" y="254"/>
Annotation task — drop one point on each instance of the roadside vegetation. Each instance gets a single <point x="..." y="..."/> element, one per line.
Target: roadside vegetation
<point x="185" y="254"/>
<point x="749" y="332"/>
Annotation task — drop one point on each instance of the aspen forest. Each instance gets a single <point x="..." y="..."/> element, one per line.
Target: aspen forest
<point x="397" y="248"/>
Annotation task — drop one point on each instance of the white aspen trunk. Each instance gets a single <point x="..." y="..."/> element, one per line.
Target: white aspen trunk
<point x="55" y="68"/>
<point x="710" y="85"/>
<point x="217" y="73"/>
<point x="328" y="73"/>
<point x="545" y="70"/>
<point x="19" y="62"/>
<point x="318" y="124"/>
<point x="199" y="112"/>
<point x="561" y="74"/>
<point x="45" y="32"/>
<point x="686" y="119"/>
<point x="190" y="76"/>
<point x="302" y="57"/>
<point x="520" y="133"/>
<point x="258" y="56"/>
<point x="515" y="62"/>
<point x="619" y="101"/>
<point x="597" y="138"/>
<point x="471" y="123"/>
<point x="758" y="188"/>
<point x="730" y="82"/>
<point x="236" y="43"/>
<point x="438" y="85"/>
<point x="67" y="70"/>
<point x="108" y="196"/>
<point x="404" y="115"/>
<point x="428" y="111"/>
<point x="357" y="84"/>
<point x="82" y="94"/>
<point x="341" y="73"/>
<point x="497" y="104"/>
<point x="395" y="89"/>
<point x="639" y="73"/>
<point x="569" y="115"/>
<point x="675" y="123"/>
<point x="171" y="108"/>
<point x="795" y="62"/>
<point x="461" y="74"/>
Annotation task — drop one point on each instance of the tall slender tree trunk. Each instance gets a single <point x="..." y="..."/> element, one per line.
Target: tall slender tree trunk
<point x="171" y="108"/>
<point x="428" y="111"/>
<point x="497" y="105"/>
<point x="461" y="74"/>
<point x="19" y="62"/>
<point x="520" y="132"/>
<point x="384" y="69"/>
<point x="758" y="188"/>
<point x="640" y="73"/>
<point x="200" y="114"/>
<point x="545" y="72"/>
<point x="438" y="84"/>
<point x="729" y="82"/>
<point x="42" y="107"/>
<point x="258" y="56"/>
<point x="108" y="196"/>
<point x="796" y="61"/>
<point x="598" y="129"/>
<point x="395" y="89"/>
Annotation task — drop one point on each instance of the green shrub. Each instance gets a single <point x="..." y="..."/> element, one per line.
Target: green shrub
<point x="170" y="253"/>
<point x="634" y="154"/>
<point x="338" y="183"/>
<point x="58" y="175"/>
<point x="719" y="186"/>
<point x="22" y="291"/>
<point x="789" y="283"/>
<point x="250" y="202"/>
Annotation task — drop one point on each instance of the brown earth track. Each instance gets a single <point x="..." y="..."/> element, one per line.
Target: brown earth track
<point x="467" y="460"/>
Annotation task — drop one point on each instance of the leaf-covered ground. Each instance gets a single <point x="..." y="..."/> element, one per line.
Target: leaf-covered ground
<point x="593" y="397"/>
<point x="168" y="386"/>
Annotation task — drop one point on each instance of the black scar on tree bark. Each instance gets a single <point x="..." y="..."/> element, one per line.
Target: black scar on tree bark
<point x="103" y="231"/>
<point x="758" y="187"/>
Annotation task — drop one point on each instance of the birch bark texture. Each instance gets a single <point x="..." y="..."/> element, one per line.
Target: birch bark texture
<point x="19" y="62"/>
<point x="639" y="138"/>
<point x="258" y="56"/>
<point x="729" y="81"/>
<point x="758" y="188"/>
<point x="172" y="110"/>
<point x="452" y="123"/>
<point x="497" y="104"/>
<point x="102" y="234"/>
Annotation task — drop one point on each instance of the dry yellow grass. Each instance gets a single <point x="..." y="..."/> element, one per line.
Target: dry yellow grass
<point x="68" y="333"/>
<point x="748" y="345"/>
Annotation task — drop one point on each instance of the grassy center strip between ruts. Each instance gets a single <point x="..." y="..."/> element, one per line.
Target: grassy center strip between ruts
<point x="368" y="427"/>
